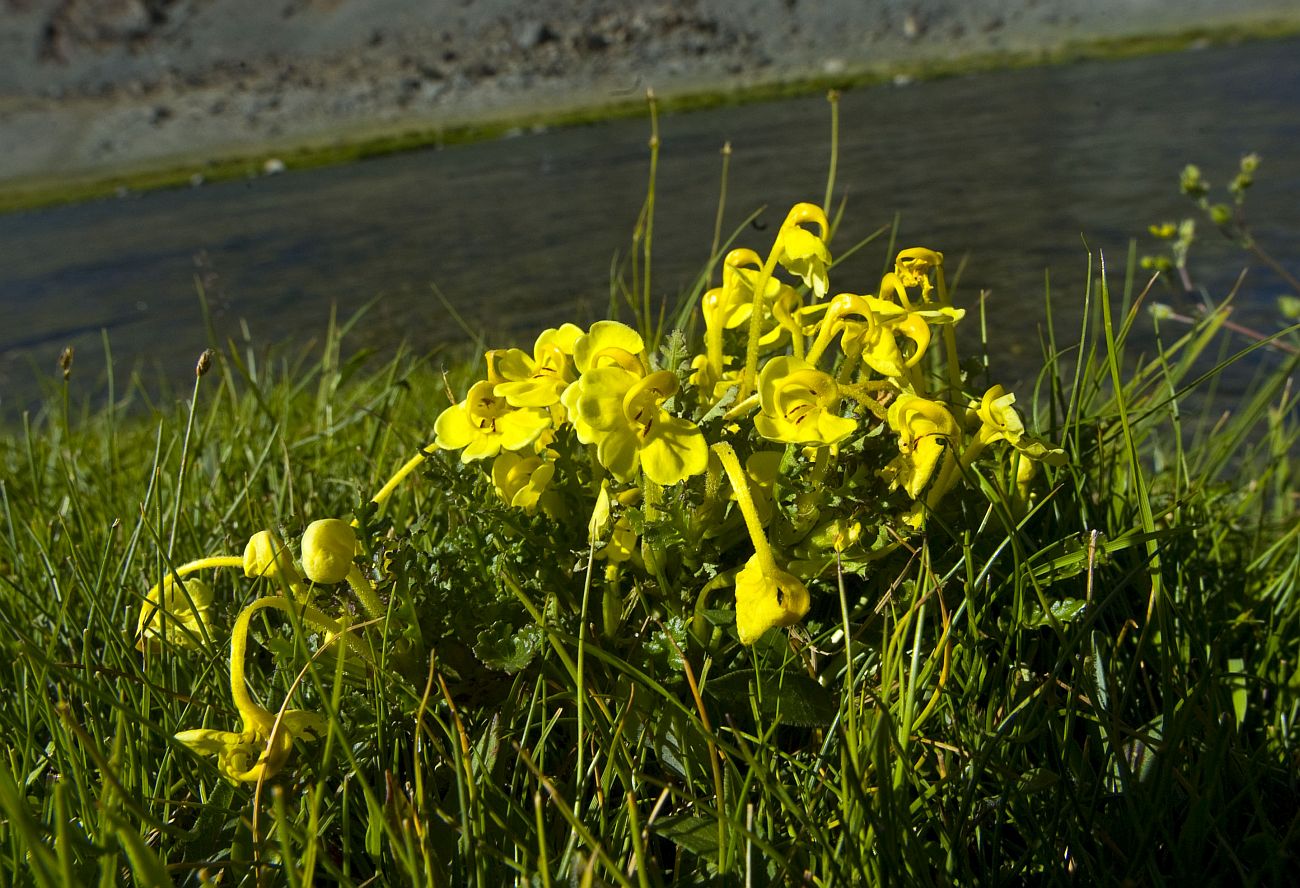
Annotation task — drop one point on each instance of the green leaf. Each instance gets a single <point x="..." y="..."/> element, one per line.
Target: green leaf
<point x="1237" y="681"/>
<point x="680" y="747"/>
<point x="146" y="868"/>
<point x="794" y="698"/>
<point x="1063" y="611"/>
<point x="699" y="835"/>
<point x="500" y="647"/>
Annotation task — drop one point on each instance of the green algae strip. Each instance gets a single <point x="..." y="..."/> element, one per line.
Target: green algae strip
<point x="346" y="147"/>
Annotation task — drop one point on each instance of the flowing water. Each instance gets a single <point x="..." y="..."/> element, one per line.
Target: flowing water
<point x="1017" y="173"/>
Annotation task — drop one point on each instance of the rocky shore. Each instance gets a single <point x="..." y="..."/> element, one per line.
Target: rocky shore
<point x="96" y="88"/>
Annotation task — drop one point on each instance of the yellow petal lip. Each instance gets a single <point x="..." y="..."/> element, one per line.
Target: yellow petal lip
<point x="601" y="394"/>
<point x="673" y="450"/>
<point x="798" y="404"/>
<point x="484" y="424"/>
<point x="453" y="428"/>
<point x="766" y="600"/>
<point x="608" y="343"/>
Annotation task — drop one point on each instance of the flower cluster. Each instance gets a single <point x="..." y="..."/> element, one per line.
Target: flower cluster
<point x="781" y="365"/>
<point x="810" y="428"/>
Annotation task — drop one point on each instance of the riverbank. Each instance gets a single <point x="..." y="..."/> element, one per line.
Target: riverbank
<point x="100" y="98"/>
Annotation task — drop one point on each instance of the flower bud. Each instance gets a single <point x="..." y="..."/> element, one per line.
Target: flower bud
<point x="266" y="556"/>
<point x="328" y="546"/>
<point x="1221" y="214"/>
<point x="1191" y="182"/>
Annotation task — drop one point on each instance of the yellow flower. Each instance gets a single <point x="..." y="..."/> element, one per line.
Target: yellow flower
<point x="184" y="614"/>
<point x="537" y="381"/>
<point x="485" y="424"/>
<point x="799" y="404"/>
<point x="610" y="344"/>
<point x="623" y="416"/>
<point x="766" y="595"/>
<point x="803" y="253"/>
<point x="521" y="480"/>
<point x="766" y="598"/>
<point x="621" y="545"/>
<point x="925" y="429"/>
<point x="913" y="267"/>
<point x="264" y="744"/>
<point x="999" y="421"/>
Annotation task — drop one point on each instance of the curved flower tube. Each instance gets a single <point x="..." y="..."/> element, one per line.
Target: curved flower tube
<point x="868" y="327"/>
<point x="724" y="308"/>
<point x="913" y="267"/>
<point x="803" y="254"/>
<point x="766" y="595"/>
<point x="264" y="744"/>
<point x="799" y="404"/>
<point x="485" y="424"/>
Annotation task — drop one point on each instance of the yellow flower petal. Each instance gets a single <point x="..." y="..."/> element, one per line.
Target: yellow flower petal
<point x="673" y="450"/>
<point x="765" y="601"/>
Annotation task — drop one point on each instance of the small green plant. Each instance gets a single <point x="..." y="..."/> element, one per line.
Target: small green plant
<point x="778" y="596"/>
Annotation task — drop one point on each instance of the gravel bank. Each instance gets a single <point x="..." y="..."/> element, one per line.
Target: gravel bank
<point x="95" y="88"/>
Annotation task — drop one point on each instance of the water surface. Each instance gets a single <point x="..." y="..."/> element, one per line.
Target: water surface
<point x="1013" y="172"/>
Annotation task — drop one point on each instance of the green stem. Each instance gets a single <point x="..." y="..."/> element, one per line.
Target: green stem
<point x="365" y="593"/>
<point x="180" y="475"/>
<point x="648" y="241"/>
<point x="722" y="201"/>
<point x="833" y="96"/>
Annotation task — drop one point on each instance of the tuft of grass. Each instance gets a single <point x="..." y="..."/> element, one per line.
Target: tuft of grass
<point x="1098" y="685"/>
<point x="1104" y="689"/>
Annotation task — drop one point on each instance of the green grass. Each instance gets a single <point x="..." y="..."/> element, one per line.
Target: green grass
<point x="1103" y="689"/>
<point x="1100" y="687"/>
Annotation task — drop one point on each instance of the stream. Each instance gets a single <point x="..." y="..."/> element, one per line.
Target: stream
<point x="1013" y="175"/>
